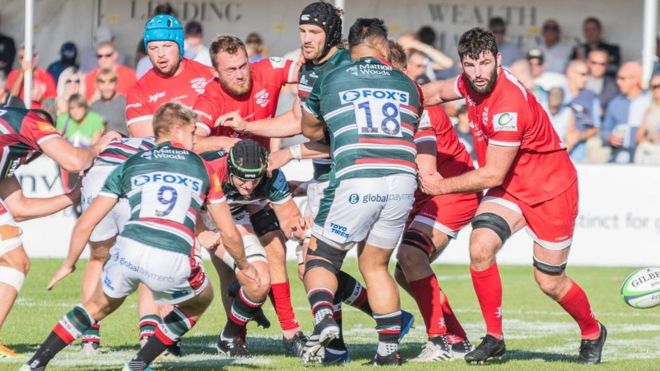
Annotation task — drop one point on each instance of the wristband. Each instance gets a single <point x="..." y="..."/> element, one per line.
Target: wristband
<point x="296" y="152"/>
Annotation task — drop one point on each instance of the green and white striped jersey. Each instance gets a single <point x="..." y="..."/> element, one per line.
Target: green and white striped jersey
<point x="165" y="187"/>
<point x="372" y="111"/>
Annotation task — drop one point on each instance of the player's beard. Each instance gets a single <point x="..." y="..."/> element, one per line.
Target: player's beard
<point x="234" y="89"/>
<point x="489" y="86"/>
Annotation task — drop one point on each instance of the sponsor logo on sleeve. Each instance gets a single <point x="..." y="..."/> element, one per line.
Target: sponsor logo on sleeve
<point x="505" y="121"/>
<point x="45" y="127"/>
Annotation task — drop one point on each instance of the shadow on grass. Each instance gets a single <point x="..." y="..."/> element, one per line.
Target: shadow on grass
<point x="528" y="355"/>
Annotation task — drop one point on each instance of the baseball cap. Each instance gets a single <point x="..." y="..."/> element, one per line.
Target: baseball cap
<point x="535" y="53"/>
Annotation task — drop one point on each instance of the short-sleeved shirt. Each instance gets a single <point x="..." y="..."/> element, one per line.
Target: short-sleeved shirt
<point x="116" y="153"/>
<point x="309" y="74"/>
<point x="260" y="102"/>
<point x="153" y="90"/>
<point x="166" y="188"/>
<point x="21" y="135"/>
<point x="510" y="116"/>
<point x="42" y="83"/>
<point x="371" y="111"/>
<point x="274" y="189"/>
<point x="125" y="81"/>
<point x="80" y="134"/>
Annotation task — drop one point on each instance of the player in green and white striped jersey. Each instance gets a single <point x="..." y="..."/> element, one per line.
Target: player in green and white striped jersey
<point x="166" y="187"/>
<point x="371" y="111"/>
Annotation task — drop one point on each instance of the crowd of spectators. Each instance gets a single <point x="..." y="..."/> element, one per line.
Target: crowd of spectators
<point x="597" y="103"/>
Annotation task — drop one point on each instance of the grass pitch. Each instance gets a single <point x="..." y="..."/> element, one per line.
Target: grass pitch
<point x="538" y="333"/>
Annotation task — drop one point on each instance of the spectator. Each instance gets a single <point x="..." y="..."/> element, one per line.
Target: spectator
<point x="43" y="85"/>
<point x="556" y="52"/>
<point x="6" y="99"/>
<point x="144" y="64"/>
<point x="7" y="53"/>
<point x="522" y="70"/>
<point x="593" y="33"/>
<point x="463" y="131"/>
<point x="510" y="52"/>
<point x="71" y="82"/>
<point x="110" y="105"/>
<point x="586" y="110"/>
<point x="68" y="55"/>
<point x="559" y="113"/>
<point x="544" y="79"/>
<point x="88" y="59"/>
<point x="255" y="47"/>
<point x="80" y="126"/>
<point x="603" y="85"/>
<point x="436" y="60"/>
<point x="443" y="70"/>
<point x="656" y="64"/>
<point x="107" y="58"/>
<point x="193" y="47"/>
<point x="624" y="113"/>
<point x="648" y="135"/>
<point x="417" y="63"/>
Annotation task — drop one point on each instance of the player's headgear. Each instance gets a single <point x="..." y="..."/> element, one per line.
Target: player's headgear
<point x="164" y="27"/>
<point x="327" y="17"/>
<point x="248" y="160"/>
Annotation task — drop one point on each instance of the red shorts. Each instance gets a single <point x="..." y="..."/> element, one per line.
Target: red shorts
<point x="550" y="223"/>
<point x="446" y="213"/>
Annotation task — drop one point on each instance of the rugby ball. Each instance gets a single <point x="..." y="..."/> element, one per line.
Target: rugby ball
<point x="642" y="288"/>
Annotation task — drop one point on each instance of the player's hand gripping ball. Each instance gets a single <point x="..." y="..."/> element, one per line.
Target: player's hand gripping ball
<point x="641" y="289"/>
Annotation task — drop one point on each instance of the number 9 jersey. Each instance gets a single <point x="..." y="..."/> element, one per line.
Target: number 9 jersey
<point x="166" y="188"/>
<point x="371" y="111"/>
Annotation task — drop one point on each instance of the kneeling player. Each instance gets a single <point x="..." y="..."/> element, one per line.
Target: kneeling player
<point x="249" y="192"/>
<point x="166" y="188"/>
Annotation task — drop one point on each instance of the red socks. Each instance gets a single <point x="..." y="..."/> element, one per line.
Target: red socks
<point x="488" y="287"/>
<point x="280" y="296"/>
<point x="434" y="306"/>
<point x="576" y="303"/>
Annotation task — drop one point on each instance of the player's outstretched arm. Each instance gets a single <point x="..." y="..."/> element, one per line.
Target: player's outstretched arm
<point x="291" y="221"/>
<point x="75" y="159"/>
<point x="312" y="126"/>
<point x="498" y="163"/>
<point x="440" y="91"/>
<point x="24" y="208"/>
<point x="98" y="209"/>
<point x="298" y="151"/>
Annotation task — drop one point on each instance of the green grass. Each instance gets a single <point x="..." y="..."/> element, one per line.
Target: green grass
<point x="539" y="334"/>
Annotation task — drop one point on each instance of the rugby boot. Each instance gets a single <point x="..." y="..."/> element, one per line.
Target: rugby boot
<point x="89" y="348"/>
<point x="6" y="352"/>
<point x="324" y="331"/>
<point x="337" y="356"/>
<point x="591" y="350"/>
<point x="490" y="347"/>
<point x="293" y="347"/>
<point x="460" y="349"/>
<point x="435" y="349"/>
<point x="392" y="359"/>
<point x="234" y="348"/>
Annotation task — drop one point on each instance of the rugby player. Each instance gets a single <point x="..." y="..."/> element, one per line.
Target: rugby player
<point x="166" y="188"/>
<point x="253" y="91"/>
<point x="260" y="205"/>
<point x="371" y="112"/>
<point x="530" y="181"/>
<point x="24" y="135"/>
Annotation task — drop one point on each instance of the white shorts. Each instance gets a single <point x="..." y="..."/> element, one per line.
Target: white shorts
<point x="374" y="210"/>
<point x="113" y="223"/>
<point x="10" y="241"/>
<point x="314" y="195"/>
<point x="172" y="277"/>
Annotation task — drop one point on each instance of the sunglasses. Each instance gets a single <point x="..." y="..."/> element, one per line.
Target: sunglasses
<point x="69" y="81"/>
<point x="99" y="56"/>
<point x="101" y="81"/>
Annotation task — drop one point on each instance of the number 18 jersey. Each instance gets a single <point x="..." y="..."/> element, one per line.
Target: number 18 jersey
<point x="372" y="111"/>
<point x="165" y="187"/>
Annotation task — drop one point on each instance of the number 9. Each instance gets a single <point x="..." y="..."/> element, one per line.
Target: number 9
<point x="170" y="202"/>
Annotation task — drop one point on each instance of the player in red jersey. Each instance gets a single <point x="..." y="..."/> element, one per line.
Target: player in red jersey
<point x="253" y="91"/>
<point x="433" y="222"/>
<point x="250" y="90"/>
<point x="24" y="135"/>
<point x="530" y="181"/>
<point x="172" y="78"/>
